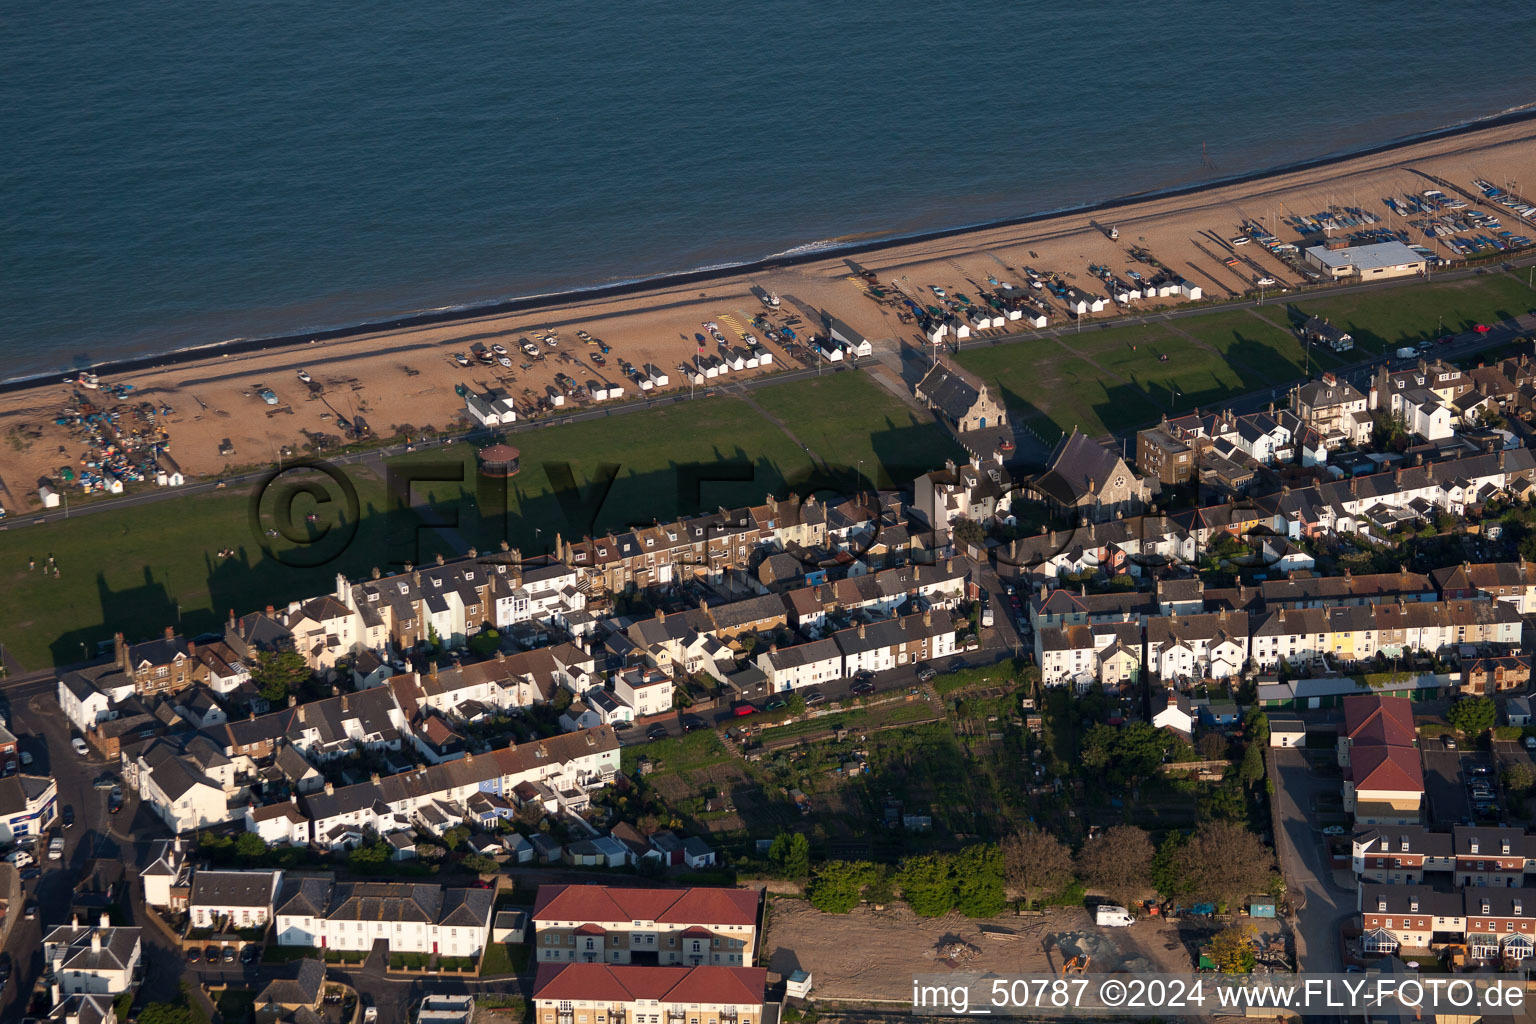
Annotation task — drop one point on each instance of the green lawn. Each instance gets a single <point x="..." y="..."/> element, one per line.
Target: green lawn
<point x="847" y="419"/>
<point x="140" y="569"/>
<point x="503" y="958"/>
<point x="1113" y="379"/>
<point x="691" y="751"/>
<point x="235" y="1005"/>
<point x="1395" y="316"/>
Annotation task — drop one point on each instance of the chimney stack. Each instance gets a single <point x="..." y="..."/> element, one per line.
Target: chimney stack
<point x="329" y="789"/>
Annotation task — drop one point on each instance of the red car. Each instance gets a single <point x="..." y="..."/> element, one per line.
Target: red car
<point x="744" y="710"/>
<point x="1482" y="328"/>
<point x="1445" y="340"/>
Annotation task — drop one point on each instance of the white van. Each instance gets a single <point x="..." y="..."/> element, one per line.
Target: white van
<point x="1107" y="915"/>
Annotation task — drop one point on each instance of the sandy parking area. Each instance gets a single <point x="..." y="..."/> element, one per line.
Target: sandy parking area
<point x="872" y="954"/>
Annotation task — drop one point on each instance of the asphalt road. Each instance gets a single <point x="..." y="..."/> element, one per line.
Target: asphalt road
<point x="1305" y="863"/>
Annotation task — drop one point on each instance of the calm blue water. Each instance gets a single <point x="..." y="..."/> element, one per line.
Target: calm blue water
<point x="179" y="174"/>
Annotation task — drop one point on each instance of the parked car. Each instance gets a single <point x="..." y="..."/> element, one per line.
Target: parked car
<point x="250" y="954"/>
<point x="1448" y="743"/>
<point x="211" y="954"/>
<point x="115" y="800"/>
<point x="743" y="710"/>
<point x="67" y="816"/>
<point x="1334" y="830"/>
<point x="30" y="910"/>
<point x="56" y="848"/>
<point x="28" y="874"/>
<point x="814" y="698"/>
<point x="26" y="759"/>
<point x="21" y="858"/>
<point x="692" y="722"/>
<point x="194" y="955"/>
<point x="79" y="746"/>
<point x="656" y="732"/>
<point x="863" y="686"/>
<point x="926" y="675"/>
<point x="230" y="954"/>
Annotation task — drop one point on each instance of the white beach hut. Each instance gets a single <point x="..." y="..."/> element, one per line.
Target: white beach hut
<point x="1190" y="291"/>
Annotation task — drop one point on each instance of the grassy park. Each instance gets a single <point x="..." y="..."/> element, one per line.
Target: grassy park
<point x="143" y="567"/>
<point x="1114" y="379"/>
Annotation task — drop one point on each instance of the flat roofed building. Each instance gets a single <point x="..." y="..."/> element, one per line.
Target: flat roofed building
<point x="1376" y="261"/>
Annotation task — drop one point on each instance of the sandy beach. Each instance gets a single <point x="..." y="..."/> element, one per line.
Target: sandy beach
<point x="407" y="377"/>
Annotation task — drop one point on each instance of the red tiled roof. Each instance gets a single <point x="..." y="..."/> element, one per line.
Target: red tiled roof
<point x="1394" y="769"/>
<point x="591" y="929"/>
<point x="1386" y="721"/>
<point x="670" y="906"/>
<point x="626" y="982"/>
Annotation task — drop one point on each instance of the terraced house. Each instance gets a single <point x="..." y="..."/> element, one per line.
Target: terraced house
<point x="600" y="924"/>
<point x="593" y="993"/>
<point x="411" y="918"/>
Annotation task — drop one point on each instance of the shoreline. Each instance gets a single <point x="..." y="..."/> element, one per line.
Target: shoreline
<point x="805" y="253"/>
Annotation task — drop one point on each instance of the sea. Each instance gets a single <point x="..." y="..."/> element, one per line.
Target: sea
<point x="181" y="174"/>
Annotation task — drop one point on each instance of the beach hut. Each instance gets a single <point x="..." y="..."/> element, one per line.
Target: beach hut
<point x="598" y="390"/>
<point x="751" y="359"/>
<point x="644" y="381"/>
<point x="658" y="375"/>
<point x="1036" y="318"/>
<point x="737" y="359"/>
<point x="692" y="374"/>
<point x="711" y="368"/>
<point x="962" y="330"/>
<point x="764" y="357"/>
<point x="1015" y="314"/>
<point x="555" y="395"/>
<point x="1190" y="291"/>
<point x="48" y="496"/>
<point x="615" y="392"/>
<point x="936" y="333"/>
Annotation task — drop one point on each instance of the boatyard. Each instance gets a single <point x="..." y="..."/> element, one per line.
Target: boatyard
<point x="1444" y="200"/>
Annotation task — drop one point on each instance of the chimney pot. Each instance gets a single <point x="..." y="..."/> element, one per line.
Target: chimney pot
<point x="329" y="789"/>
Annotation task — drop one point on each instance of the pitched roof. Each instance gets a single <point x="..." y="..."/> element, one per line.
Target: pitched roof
<point x="601" y="903"/>
<point x="1394" y="769"/>
<point x="1386" y="721"/>
<point x="953" y="390"/>
<point x="622" y="983"/>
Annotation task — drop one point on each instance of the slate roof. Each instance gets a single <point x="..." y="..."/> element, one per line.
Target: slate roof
<point x="233" y="888"/>
<point x="952" y="390"/>
<point x="301" y="990"/>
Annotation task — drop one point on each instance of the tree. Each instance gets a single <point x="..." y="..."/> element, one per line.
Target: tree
<point x="977" y="878"/>
<point x="1225" y="862"/>
<point x="1213" y="746"/>
<point x="454" y="837"/>
<point x="368" y="857"/>
<point x="837" y="885"/>
<point x="791" y="854"/>
<point x="279" y="673"/>
<point x="1473" y="716"/>
<point x="1117" y="864"/>
<point x="1232" y="949"/>
<point x="485" y="643"/>
<point x="1126" y="754"/>
<point x="1256" y="725"/>
<point x="478" y="863"/>
<point x="926" y="884"/>
<point x="795" y="703"/>
<point x="250" y="846"/>
<point x="1036" y="864"/>
<point x="165" y="1013"/>
<point x="1169" y="882"/>
<point x="968" y="531"/>
<point x="1519" y="777"/>
<point x="1252" y="769"/>
<point x="1224" y="802"/>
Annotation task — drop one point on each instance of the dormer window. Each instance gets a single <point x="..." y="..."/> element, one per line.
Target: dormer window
<point x="469" y="575"/>
<point x="650" y="542"/>
<point x="1517" y="908"/>
<point x="1486" y="906"/>
<point x="1413" y="904"/>
<point x="1403" y="845"/>
<point x="373" y="597"/>
<point x="436" y="583"/>
<point x="1472" y="846"/>
<point x="1381" y="904"/>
